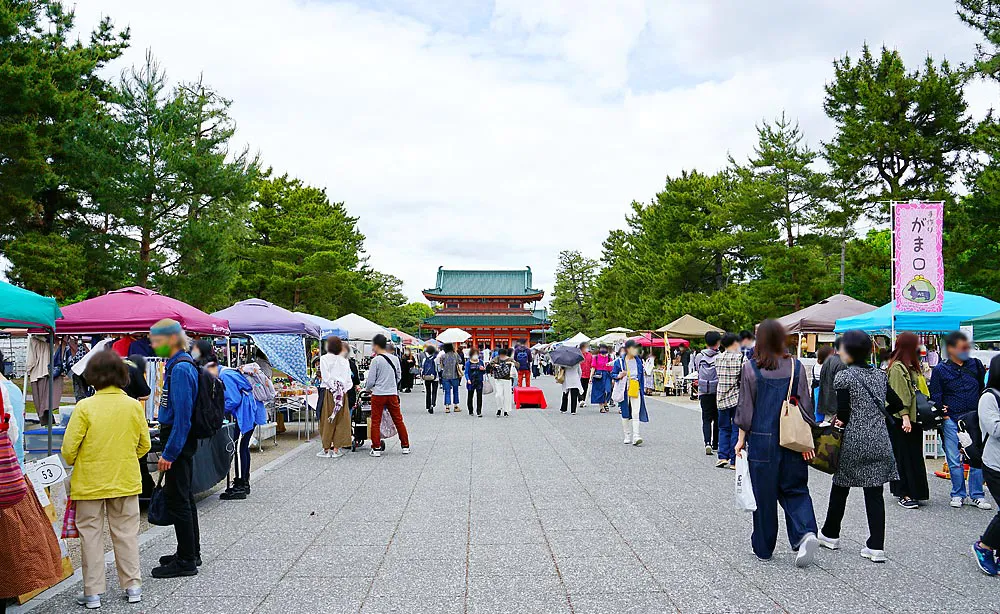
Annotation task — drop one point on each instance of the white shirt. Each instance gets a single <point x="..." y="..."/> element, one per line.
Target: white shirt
<point x="333" y="368"/>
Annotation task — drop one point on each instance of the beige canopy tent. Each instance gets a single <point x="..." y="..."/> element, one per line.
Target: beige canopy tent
<point x="823" y="316"/>
<point x="687" y="327"/>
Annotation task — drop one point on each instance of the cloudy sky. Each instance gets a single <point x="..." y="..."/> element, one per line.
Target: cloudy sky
<point x="494" y="133"/>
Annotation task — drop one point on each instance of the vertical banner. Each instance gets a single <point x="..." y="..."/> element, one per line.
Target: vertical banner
<point x="918" y="268"/>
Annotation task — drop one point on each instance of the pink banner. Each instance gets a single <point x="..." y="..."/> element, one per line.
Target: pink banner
<point x="919" y="265"/>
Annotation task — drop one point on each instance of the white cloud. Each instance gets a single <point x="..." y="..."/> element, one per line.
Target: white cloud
<point x="473" y="138"/>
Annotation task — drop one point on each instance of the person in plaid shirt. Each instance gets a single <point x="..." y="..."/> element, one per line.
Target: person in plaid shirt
<point x="728" y="365"/>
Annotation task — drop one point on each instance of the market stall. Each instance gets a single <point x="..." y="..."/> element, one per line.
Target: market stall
<point x="362" y="331"/>
<point x="957" y="308"/>
<point x="985" y="328"/>
<point x="814" y="324"/>
<point x="327" y="327"/>
<point x="685" y="327"/>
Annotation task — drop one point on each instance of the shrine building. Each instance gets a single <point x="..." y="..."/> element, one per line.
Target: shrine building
<point x="495" y="307"/>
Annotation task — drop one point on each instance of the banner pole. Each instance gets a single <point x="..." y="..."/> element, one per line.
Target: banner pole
<point x="892" y="273"/>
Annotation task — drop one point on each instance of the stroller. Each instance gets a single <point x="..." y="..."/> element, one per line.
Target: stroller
<point x="361" y="417"/>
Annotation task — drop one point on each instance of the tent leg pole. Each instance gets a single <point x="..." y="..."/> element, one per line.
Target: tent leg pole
<point x="52" y="385"/>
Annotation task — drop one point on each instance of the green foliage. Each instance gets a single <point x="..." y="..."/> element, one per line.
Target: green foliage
<point x="406" y="318"/>
<point x="868" y="268"/>
<point x="571" y="304"/>
<point x="48" y="264"/>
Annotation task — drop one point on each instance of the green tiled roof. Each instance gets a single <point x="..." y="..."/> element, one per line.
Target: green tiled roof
<point x="484" y="320"/>
<point x="452" y="282"/>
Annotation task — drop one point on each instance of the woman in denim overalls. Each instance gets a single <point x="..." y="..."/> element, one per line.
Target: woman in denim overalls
<point x="778" y="475"/>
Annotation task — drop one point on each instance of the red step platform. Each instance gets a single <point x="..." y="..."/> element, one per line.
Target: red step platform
<point x="529" y="395"/>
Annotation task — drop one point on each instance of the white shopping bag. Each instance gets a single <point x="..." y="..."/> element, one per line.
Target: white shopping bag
<point x="744" y="489"/>
<point x="619" y="389"/>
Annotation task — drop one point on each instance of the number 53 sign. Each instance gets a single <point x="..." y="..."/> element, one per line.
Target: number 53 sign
<point x="46" y="472"/>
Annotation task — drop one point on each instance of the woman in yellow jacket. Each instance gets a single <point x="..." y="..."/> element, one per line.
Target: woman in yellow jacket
<point x="105" y="436"/>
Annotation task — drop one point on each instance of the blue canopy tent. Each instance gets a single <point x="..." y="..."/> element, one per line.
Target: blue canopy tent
<point x="327" y="327"/>
<point x="957" y="308"/>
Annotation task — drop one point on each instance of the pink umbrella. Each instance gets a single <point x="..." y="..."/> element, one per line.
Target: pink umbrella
<point x="135" y="309"/>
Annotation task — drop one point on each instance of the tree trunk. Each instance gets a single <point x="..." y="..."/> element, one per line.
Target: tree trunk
<point x="719" y="278"/>
<point x="142" y="277"/>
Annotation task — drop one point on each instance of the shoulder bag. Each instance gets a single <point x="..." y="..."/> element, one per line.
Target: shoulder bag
<point x="925" y="407"/>
<point x="633" y="384"/>
<point x="796" y="434"/>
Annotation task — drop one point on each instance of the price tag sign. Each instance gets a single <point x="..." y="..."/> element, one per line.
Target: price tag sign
<point x="46" y="472"/>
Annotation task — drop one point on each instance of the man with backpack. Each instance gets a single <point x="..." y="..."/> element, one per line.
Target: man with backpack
<point x="522" y="356"/>
<point x="708" y="383"/>
<point x="177" y="408"/>
<point x="383" y="382"/>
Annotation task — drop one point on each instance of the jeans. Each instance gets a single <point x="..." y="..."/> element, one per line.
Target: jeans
<point x="181" y="504"/>
<point x="991" y="538"/>
<point x="949" y="433"/>
<point x="431" y="393"/>
<point x="710" y="419"/>
<point x="785" y="482"/>
<point x="450" y="392"/>
<point x="728" y="433"/>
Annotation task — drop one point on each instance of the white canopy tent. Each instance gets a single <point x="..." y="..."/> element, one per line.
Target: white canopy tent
<point x="359" y="328"/>
<point x="575" y="340"/>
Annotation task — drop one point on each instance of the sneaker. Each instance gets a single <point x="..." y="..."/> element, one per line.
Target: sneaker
<point x="406" y="450"/>
<point x="133" y="595"/>
<point x="174" y="569"/>
<point x="733" y="467"/>
<point x="447" y="410"/>
<point x="430" y="410"/>
<point x="875" y="556"/>
<point x="831" y="543"/>
<point x="323" y="454"/>
<point x="479" y="414"/>
<point x="375" y="453"/>
<point x="505" y="414"/>
<point x="807" y="550"/>
<point x="637" y="442"/>
<point x="982" y="504"/>
<point x="721" y="464"/>
<point x="628" y="441"/>
<point x="498" y="413"/>
<point x="908" y="503"/>
<point x="708" y="450"/>
<point x="91" y="602"/>
<point x="167" y="559"/>
<point x="956" y="501"/>
<point x="985" y="559"/>
<point x="336" y="454"/>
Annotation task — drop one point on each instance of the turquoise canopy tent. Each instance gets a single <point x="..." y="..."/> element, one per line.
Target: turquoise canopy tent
<point x="957" y="308"/>
<point x="20" y="308"/>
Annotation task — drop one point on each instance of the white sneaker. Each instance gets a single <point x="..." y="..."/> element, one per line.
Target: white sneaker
<point x="831" y="543"/>
<point x="91" y="602"/>
<point x="956" y="501"/>
<point x="337" y="454"/>
<point x="406" y="450"/>
<point x="133" y="595"/>
<point x="807" y="551"/>
<point x="375" y="453"/>
<point x="982" y="504"/>
<point x="323" y="454"/>
<point x="637" y="442"/>
<point x="628" y="441"/>
<point x="875" y="556"/>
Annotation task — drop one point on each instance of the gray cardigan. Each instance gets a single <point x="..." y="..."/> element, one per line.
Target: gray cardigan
<point x="989" y="422"/>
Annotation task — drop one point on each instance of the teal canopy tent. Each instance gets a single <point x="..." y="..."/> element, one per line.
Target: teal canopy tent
<point x="985" y="328"/>
<point x="957" y="308"/>
<point x="20" y="308"/>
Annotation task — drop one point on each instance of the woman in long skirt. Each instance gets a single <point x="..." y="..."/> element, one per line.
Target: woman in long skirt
<point x="600" y="379"/>
<point x="906" y="379"/>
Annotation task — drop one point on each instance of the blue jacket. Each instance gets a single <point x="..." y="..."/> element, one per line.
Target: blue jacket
<point x="617" y="367"/>
<point x="958" y="387"/>
<point x="177" y="404"/>
<point x="474" y="377"/>
<point x="240" y="402"/>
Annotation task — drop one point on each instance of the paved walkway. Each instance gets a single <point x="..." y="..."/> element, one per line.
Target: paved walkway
<point x="544" y="512"/>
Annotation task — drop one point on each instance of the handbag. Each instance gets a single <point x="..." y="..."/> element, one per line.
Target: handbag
<point x="69" y="530"/>
<point x="560" y="375"/>
<point x="597" y="375"/>
<point x="158" y="512"/>
<point x="925" y="407"/>
<point x="488" y="386"/>
<point x="796" y="434"/>
<point x="828" y="439"/>
<point x="13" y="487"/>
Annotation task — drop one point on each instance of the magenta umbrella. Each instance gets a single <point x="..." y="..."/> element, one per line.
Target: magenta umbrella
<point x="132" y="310"/>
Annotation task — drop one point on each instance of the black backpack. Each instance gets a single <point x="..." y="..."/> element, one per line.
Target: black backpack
<point x="209" y="404"/>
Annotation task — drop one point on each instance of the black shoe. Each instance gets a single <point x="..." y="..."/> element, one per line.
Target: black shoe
<point x="479" y="414"/>
<point x="169" y="558"/>
<point x="430" y="410"/>
<point x="174" y="569"/>
<point x="505" y="414"/>
<point x="236" y="494"/>
<point x="498" y="413"/>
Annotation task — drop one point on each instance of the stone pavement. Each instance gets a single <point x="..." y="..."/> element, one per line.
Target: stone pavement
<point x="544" y="512"/>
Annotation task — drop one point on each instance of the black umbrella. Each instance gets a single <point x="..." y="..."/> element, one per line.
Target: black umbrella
<point x="566" y="356"/>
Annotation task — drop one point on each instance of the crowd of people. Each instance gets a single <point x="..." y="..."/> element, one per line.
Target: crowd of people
<point x="882" y="409"/>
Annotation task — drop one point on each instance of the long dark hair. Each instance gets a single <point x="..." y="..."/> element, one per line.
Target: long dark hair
<point x="907" y="352"/>
<point x="770" y="348"/>
<point x="993" y="381"/>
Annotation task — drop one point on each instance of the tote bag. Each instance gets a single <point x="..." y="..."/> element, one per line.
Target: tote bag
<point x="828" y="439"/>
<point x="13" y="487"/>
<point x="745" y="499"/>
<point x="158" y="513"/>
<point x="796" y="434"/>
<point x="69" y="530"/>
<point x="488" y="386"/>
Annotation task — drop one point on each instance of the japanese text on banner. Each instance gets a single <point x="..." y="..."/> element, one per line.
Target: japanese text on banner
<point x="919" y="265"/>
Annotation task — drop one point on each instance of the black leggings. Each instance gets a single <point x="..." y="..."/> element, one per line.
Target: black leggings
<point x="431" y="393"/>
<point x="991" y="538"/>
<point x="585" y="381"/>
<point x="874" y="509"/>
<point x="241" y="459"/>
<point x="476" y="391"/>
<point x="573" y="396"/>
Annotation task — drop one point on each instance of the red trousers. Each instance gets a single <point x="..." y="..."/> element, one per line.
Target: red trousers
<point x="391" y="403"/>
<point x="524" y="377"/>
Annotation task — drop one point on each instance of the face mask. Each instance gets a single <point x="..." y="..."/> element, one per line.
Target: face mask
<point x="195" y="354"/>
<point x="163" y="351"/>
<point x="604" y="351"/>
<point x="963" y="356"/>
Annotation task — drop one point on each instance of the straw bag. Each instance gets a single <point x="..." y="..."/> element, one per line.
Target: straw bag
<point x="796" y="434"/>
<point x="13" y="487"/>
